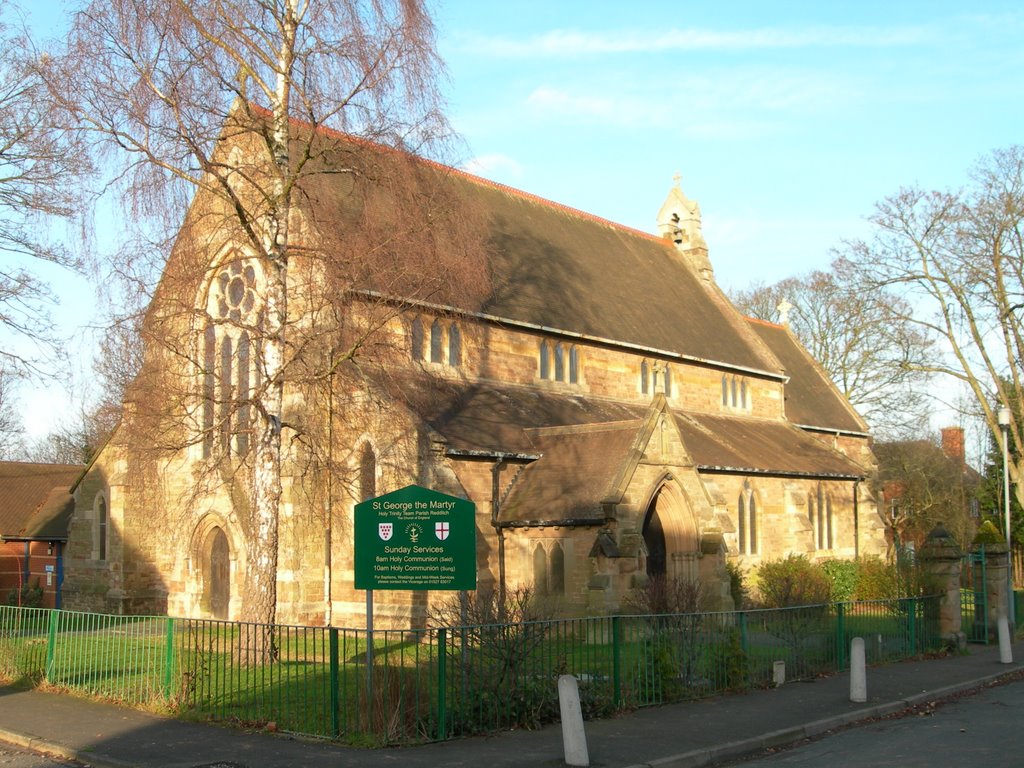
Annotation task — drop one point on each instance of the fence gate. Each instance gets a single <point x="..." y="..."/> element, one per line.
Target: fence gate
<point x="974" y="597"/>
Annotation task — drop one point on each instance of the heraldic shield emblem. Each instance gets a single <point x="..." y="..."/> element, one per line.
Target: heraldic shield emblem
<point x="386" y="531"/>
<point x="441" y="530"/>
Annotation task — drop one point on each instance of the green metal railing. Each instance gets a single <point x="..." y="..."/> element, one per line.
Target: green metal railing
<point x="436" y="684"/>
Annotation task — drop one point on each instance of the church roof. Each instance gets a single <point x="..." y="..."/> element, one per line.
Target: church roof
<point x="572" y="470"/>
<point x="35" y="501"/>
<point x="812" y="400"/>
<point x="552" y="267"/>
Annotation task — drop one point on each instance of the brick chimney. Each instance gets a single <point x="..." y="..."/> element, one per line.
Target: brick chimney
<point x="953" y="444"/>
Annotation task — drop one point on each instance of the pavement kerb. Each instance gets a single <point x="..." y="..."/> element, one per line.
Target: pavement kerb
<point x="698" y="758"/>
<point x="36" y="744"/>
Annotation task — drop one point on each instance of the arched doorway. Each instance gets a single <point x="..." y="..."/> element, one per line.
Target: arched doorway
<point x="670" y="535"/>
<point x="217" y="572"/>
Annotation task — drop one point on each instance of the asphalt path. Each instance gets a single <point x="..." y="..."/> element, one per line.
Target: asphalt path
<point x="981" y="727"/>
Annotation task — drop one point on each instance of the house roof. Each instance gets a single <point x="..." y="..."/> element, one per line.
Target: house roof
<point x="812" y="400"/>
<point x="35" y="500"/>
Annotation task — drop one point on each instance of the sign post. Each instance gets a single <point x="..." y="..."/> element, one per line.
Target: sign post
<point x="415" y="538"/>
<point x="412" y="538"/>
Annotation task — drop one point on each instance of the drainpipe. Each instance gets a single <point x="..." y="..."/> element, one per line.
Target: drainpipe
<point x="499" y="530"/>
<point x="856" y="521"/>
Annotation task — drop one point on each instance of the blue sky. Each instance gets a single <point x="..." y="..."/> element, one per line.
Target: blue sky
<point x="786" y="120"/>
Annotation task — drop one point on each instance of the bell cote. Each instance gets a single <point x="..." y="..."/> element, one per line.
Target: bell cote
<point x="679" y="222"/>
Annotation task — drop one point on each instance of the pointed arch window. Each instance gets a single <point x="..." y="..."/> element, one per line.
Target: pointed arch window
<point x="668" y="381"/>
<point x="574" y="365"/>
<point x="545" y="359"/>
<point x="230" y="375"/>
<point x="557" y="580"/>
<point x="101" y="528"/>
<point x="559" y="362"/>
<point x="416" y="339"/>
<point x="645" y="380"/>
<point x="746" y="529"/>
<point x="540" y="570"/>
<point x="454" y="345"/>
<point x="436" y="342"/>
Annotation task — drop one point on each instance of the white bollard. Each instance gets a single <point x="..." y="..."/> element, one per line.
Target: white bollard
<point x="858" y="671"/>
<point x="1005" y="649"/>
<point x="779" y="673"/>
<point x="574" y="740"/>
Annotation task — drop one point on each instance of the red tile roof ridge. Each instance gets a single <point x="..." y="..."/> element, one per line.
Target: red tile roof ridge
<point x="769" y="323"/>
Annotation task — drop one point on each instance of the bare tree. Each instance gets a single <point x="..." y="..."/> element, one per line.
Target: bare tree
<point x="860" y="336"/>
<point x="245" y="111"/>
<point x="39" y="168"/>
<point x="957" y="261"/>
<point x="12" y="433"/>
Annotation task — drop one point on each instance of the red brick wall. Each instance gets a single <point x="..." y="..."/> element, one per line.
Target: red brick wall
<point x="12" y="568"/>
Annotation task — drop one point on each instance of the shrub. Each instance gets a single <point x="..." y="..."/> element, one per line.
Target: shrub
<point x="791" y="581"/>
<point x="737" y="584"/>
<point x="27" y="596"/>
<point x="843" y="576"/>
<point x="663" y="595"/>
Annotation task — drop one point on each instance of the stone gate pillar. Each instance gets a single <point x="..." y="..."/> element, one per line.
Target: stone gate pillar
<point x="997" y="593"/>
<point x="940" y="558"/>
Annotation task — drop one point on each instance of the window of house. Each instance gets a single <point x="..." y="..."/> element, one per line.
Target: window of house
<point x="559" y="362"/>
<point x="229" y="374"/>
<point x="574" y="365"/>
<point x="645" y="373"/>
<point x="741" y="523"/>
<point x="545" y="359"/>
<point x="668" y="381"/>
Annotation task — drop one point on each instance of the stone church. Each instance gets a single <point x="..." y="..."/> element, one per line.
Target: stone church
<point x="608" y="411"/>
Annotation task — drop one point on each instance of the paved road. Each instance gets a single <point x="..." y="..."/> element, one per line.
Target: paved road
<point x="983" y="728"/>
<point x="13" y="757"/>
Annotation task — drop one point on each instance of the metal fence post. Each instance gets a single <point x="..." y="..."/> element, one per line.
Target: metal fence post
<point x="744" y="640"/>
<point x="51" y="643"/>
<point x="912" y="604"/>
<point x="841" y="636"/>
<point x="442" y="686"/>
<point x="617" y="660"/>
<point x="169" y="658"/>
<point x="335" y="695"/>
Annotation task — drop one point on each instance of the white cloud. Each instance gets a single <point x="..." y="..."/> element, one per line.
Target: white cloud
<point x="567" y="43"/>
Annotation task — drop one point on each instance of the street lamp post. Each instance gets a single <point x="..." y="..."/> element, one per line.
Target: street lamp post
<point x="1004" y="426"/>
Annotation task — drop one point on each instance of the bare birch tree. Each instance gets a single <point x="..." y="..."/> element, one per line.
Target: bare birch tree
<point x="167" y="88"/>
<point x="39" y="169"/>
<point x="862" y="339"/>
<point x="957" y="260"/>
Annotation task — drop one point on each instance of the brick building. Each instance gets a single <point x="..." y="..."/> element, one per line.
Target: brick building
<point x="605" y="407"/>
<point x="35" y="509"/>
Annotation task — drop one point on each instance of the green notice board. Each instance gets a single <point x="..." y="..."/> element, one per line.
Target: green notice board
<point x="415" y="538"/>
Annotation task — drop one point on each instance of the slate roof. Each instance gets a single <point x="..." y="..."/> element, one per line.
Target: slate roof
<point x="35" y="500"/>
<point x="550" y="266"/>
<point x="812" y="400"/>
<point x="576" y="446"/>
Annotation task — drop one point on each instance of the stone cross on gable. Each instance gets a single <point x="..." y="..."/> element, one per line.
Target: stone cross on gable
<point x="784" y="309"/>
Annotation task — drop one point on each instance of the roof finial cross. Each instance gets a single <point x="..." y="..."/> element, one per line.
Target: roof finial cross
<point x="677" y="177"/>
